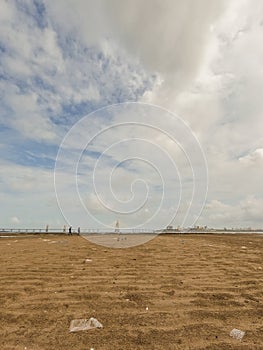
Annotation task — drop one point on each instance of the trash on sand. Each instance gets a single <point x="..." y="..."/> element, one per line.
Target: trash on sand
<point x="243" y="247"/>
<point x="84" y="324"/>
<point x="88" y="260"/>
<point x="147" y="308"/>
<point x="237" y="334"/>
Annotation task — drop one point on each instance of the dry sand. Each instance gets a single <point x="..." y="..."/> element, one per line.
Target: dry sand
<point x="197" y="288"/>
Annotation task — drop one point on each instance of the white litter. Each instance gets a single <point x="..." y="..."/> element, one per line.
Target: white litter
<point x="84" y="324"/>
<point x="237" y="334"/>
<point x="243" y="247"/>
<point x="88" y="260"/>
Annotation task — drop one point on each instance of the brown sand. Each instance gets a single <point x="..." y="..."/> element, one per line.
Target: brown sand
<point x="197" y="288"/>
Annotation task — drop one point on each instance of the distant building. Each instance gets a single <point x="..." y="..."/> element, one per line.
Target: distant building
<point x="170" y="229"/>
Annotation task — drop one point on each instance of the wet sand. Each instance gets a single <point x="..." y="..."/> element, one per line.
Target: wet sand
<point x="174" y="292"/>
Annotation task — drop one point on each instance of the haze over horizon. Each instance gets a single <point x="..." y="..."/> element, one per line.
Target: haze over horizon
<point x="61" y="61"/>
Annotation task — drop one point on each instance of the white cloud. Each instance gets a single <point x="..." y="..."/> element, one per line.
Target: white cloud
<point x="202" y="60"/>
<point x="254" y="158"/>
<point x="245" y="213"/>
<point x="26" y="117"/>
<point x="132" y="165"/>
<point x="15" y="220"/>
<point x="49" y="72"/>
<point x="170" y="37"/>
<point x="29" y="193"/>
<point x="223" y="106"/>
<point x="19" y="179"/>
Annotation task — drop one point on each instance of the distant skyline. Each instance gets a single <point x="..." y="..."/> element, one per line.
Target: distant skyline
<point x="61" y="61"/>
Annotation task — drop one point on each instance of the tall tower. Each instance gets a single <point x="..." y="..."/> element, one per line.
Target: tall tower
<point x="117" y="227"/>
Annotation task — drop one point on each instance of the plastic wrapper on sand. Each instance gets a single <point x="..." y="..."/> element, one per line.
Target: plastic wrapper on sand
<point x="237" y="334"/>
<point x="84" y="324"/>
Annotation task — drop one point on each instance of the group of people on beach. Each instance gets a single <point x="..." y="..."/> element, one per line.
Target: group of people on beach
<point x="70" y="232"/>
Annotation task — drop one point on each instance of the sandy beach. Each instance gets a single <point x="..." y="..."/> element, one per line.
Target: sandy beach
<point x="174" y="292"/>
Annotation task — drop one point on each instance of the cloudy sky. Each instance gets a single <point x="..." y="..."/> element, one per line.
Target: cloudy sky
<point x="187" y="150"/>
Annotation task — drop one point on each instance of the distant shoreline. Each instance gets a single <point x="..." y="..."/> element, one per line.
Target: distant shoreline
<point x="6" y="234"/>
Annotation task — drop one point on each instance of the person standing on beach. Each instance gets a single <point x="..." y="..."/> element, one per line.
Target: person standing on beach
<point x="70" y="230"/>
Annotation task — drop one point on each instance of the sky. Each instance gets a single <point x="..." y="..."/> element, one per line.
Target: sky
<point x="147" y="112"/>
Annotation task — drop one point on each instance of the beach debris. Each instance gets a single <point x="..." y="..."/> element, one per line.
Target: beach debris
<point x="147" y="308"/>
<point x="88" y="260"/>
<point x="84" y="324"/>
<point x="237" y="334"/>
<point x="243" y="247"/>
